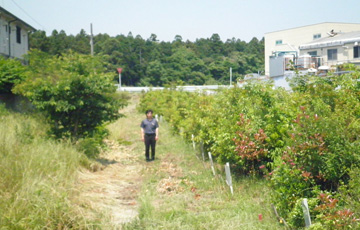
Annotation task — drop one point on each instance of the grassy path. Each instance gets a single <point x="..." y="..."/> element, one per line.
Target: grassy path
<point x="114" y="188"/>
<point x="176" y="191"/>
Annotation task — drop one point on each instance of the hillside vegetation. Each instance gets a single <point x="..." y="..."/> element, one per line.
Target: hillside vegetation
<point x="150" y="62"/>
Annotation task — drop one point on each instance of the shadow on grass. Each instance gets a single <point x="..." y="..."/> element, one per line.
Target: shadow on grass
<point x="106" y="162"/>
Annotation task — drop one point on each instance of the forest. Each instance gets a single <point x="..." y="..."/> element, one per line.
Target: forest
<point x="150" y="62"/>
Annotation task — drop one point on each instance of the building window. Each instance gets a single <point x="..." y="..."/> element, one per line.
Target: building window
<point x="332" y="54"/>
<point x="313" y="53"/>
<point x="356" y="51"/>
<point x="316" y="36"/>
<point x="18" y="34"/>
<point x="278" y="42"/>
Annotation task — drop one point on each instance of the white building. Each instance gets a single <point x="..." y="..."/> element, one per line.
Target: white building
<point x="335" y="49"/>
<point x="14" y="35"/>
<point x="285" y="45"/>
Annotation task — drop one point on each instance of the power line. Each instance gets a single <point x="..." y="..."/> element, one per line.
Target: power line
<point x="29" y="15"/>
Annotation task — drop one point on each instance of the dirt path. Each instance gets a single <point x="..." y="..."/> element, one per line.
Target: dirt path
<point x="114" y="188"/>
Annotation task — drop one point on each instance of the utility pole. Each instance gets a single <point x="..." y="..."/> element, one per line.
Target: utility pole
<point x="119" y="71"/>
<point x="230" y="76"/>
<point x="91" y="40"/>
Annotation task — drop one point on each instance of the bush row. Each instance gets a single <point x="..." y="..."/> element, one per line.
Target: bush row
<point x="305" y="142"/>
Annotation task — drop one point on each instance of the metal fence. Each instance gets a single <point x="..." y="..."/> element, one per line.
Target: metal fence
<point x="190" y="88"/>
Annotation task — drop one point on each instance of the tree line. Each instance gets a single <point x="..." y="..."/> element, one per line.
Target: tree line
<point x="150" y="62"/>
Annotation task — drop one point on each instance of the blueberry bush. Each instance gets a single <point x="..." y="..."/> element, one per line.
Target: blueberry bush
<point x="306" y="141"/>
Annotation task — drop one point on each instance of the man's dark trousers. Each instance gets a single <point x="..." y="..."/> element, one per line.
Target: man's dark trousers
<point x="150" y="142"/>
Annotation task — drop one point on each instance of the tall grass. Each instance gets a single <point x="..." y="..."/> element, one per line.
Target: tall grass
<point x="36" y="177"/>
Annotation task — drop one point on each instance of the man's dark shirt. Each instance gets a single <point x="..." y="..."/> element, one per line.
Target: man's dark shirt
<point x="149" y="126"/>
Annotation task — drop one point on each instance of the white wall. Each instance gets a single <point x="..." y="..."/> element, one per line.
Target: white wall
<point x="345" y="55"/>
<point x="4" y="45"/>
<point x="16" y="50"/>
<point x="278" y="68"/>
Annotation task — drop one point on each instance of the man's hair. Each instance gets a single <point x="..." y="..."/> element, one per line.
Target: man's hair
<point x="149" y="111"/>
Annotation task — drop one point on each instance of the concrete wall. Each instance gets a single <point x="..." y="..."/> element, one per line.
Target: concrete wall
<point x="17" y="50"/>
<point x="4" y="45"/>
<point x="293" y="38"/>
<point x="16" y="103"/>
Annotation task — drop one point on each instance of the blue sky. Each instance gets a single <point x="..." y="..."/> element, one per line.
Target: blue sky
<point x="243" y="19"/>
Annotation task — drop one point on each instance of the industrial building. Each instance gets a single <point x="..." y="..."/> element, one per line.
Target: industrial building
<point x="311" y="47"/>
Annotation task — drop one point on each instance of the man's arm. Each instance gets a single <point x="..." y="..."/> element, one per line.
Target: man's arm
<point x="157" y="134"/>
<point x="142" y="134"/>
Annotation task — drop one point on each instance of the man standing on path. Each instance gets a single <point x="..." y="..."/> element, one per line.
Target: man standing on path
<point x="149" y="134"/>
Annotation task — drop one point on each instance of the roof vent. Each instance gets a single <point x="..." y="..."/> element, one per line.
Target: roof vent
<point x="332" y="33"/>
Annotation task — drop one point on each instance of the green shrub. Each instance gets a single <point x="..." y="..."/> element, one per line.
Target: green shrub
<point x="333" y="216"/>
<point x="251" y="146"/>
<point x="12" y="72"/>
<point x="350" y="193"/>
<point x="290" y="183"/>
<point x="73" y="92"/>
<point x="296" y="216"/>
<point x="91" y="146"/>
<point x="3" y="110"/>
<point x="323" y="144"/>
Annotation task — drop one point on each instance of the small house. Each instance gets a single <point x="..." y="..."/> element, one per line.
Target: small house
<point x="14" y="35"/>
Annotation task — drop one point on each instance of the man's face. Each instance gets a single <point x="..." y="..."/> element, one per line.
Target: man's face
<point x="149" y="115"/>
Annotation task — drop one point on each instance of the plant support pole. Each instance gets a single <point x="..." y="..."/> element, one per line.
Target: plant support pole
<point x="230" y="76"/>
<point x="305" y="207"/>
<point x="228" y="177"/>
<point x="212" y="163"/>
<point x="202" y="150"/>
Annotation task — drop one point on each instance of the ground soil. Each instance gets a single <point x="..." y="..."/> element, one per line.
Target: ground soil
<point x="114" y="189"/>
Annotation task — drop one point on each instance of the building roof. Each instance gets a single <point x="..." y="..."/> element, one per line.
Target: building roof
<point x="337" y="40"/>
<point x="314" y="25"/>
<point x="9" y="16"/>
